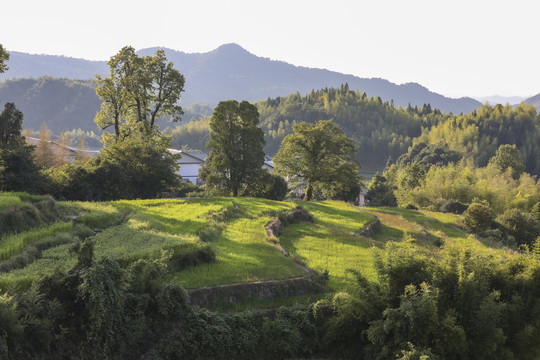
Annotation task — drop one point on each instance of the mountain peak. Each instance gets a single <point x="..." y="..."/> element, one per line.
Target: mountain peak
<point x="231" y="49"/>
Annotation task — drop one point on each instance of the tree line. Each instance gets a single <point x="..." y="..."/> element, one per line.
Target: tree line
<point x="135" y="161"/>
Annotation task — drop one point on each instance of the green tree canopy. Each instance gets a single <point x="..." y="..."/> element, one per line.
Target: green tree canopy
<point x="11" y="126"/>
<point x="508" y="156"/>
<point x="317" y="156"/>
<point x="236" y="147"/>
<point x="139" y="91"/>
<point x="18" y="171"/>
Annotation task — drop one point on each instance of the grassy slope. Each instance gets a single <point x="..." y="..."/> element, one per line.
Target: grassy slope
<point x="332" y="243"/>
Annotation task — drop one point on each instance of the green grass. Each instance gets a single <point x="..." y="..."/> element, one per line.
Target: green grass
<point x="243" y="255"/>
<point x="9" y="201"/>
<point x="14" y="244"/>
<point x="267" y="304"/>
<point x="151" y="226"/>
<point x="135" y="240"/>
<point x="131" y="230"/>
<point x="23" y="196"/>
<point x="242" y="252"/>
<point x="332" y="243"/>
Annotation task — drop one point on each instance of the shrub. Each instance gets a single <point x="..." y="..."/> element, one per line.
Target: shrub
<point x="453" y="206"/>
<point x="479" y="216"/>
<point x="380" y="192"/>
<point x="267" y="186"/>
<point x="522" y="226"/>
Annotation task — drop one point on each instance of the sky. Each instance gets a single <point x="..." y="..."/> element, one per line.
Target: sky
<point x="453" y="47"/>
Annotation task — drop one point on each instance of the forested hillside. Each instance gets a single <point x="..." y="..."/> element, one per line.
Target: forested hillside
<point x="382" y="130"/>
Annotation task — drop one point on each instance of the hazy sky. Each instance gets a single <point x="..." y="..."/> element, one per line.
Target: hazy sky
<point x="453" y="47"/>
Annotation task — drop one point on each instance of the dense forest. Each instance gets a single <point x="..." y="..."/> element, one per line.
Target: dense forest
<point x="382" y="130"/>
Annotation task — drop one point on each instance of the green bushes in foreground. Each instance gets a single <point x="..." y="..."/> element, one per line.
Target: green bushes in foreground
<point x="458" y="305"/>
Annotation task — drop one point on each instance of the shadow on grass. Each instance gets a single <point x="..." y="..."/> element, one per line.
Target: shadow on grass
<point x="425" y="221"/>
<point x="331" y="215"/>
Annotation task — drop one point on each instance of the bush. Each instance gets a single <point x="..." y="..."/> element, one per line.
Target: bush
<point x="184" y="189"/>
<point x="479" y="216"/>
<point x="129" y="169"/>
<point x="267" y="186"/>
<point x="453" y="206"/>
<point x="522" y="226"/>
<point x="380" y="192"/>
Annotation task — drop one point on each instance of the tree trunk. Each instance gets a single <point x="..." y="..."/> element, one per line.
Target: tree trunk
<point x="309" y="193"/>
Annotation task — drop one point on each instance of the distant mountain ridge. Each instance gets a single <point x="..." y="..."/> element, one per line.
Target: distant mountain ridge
<point x="534" y="101"/>
<point x="231" y="72"/>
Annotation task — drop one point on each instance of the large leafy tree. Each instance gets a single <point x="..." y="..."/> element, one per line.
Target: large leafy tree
<point x="236" y="147"/>
<point x="138" y="92"/>
<point x="319" y="156"/>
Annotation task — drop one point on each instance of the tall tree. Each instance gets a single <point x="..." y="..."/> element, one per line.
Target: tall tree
<point x="236" y="147"/>
<point x="18" y="172"/>
<point x="139" y="91"/>
<point x="11" y="126"/>
<point x="314" y="155"/>
<point x="4" y="57"/>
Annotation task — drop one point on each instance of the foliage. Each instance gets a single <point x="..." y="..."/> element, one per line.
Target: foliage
<point x="204" y="335"/>
<point x="479" y="216"/>
<point x="129" y="169"/>
<point x="321" y="157"/>
<point x="18" y="171"/>
<point x="457" y="305"/>
<point x="479" y="134"/>
<point x="44" y="154"/>
<point x="191" y="135"/>
<point x="522" y="226"/>
<point x="379" y="129"/>
<point x="267" y="186"/>
<point x="427" y="155"/>
<point x="138" y="92"/>
<point x="463" y="182"/>
<point x="380" y="192"/>
<point x="11" y="127"/>
<point x="453" y="206"/>
<point x="94" y="310"/>
<point x="236" y="147"/>
<point x="508" y="156"/>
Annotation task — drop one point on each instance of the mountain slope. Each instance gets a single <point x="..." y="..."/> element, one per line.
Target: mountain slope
<point x="231" y="72"/>
<point x="534" y="101"/>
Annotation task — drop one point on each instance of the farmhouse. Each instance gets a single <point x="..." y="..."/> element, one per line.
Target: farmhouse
<point x="191" y="162"/>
